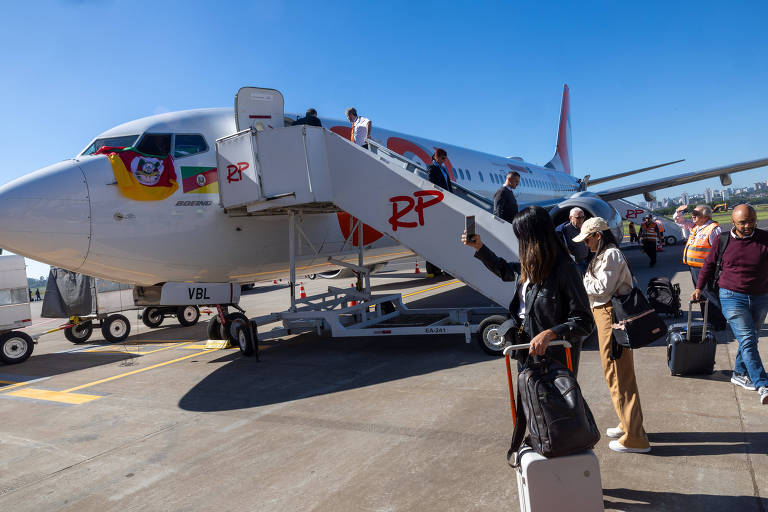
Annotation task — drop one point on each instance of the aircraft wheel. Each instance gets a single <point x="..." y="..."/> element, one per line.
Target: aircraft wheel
<point x="489" y="339"/>
<point x="670" y="240"/>
<point x="115" y="328"/>
<point x="79" y="333"/>
<point x="214" y="328"/>
<point x="244" y="339"/>
<point x="312" y="276"/>
<point x="188" y="315"/>
<point x="15" y="347"/>
<point x="152" y="317"/>
<point x="234" y="320"/>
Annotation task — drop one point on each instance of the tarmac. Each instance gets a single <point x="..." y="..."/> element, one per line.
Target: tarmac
<point x="159" y="423"/>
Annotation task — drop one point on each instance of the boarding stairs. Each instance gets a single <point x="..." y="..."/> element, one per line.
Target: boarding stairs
<point x="284" y="171"/>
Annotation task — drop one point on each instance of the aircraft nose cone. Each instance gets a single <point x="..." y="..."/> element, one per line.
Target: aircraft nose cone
<point x="45" y="215"/>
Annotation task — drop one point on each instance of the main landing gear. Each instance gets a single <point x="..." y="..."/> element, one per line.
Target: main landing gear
<point x="187" y="316"/>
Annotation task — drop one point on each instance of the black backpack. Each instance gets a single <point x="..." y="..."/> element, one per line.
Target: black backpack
<point x="558" y="418"/>
<point x="664" y="296"/>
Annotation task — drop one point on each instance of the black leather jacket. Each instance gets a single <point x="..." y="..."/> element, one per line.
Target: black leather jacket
<point x="560" y="303"/>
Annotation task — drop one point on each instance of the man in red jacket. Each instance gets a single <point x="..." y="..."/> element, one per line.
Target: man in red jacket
<point x="740" y="273"/>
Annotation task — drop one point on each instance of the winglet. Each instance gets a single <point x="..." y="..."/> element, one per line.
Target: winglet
<point x="563" y="159"/>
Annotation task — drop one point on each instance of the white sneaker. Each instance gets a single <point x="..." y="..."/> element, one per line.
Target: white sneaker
<point x="743" y="381"/>
<point x="618" y="447"/>
<point x="614" y="432"/>
<point x="763" y="391"/>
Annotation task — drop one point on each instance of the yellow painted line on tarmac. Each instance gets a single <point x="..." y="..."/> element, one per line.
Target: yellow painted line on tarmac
<point x="134" y="372"/>
<point x="449" y="283"/>
<point x="113" y="351"/>
<point x="53" y="396"/>
<point x="12" y="386"/>
<point x="9" y="381"/>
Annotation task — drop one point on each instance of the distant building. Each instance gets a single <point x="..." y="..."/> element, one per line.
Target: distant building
<point x="708" y="195"/>
<point x="685" y="198"/>
<point x="726" y="194"/>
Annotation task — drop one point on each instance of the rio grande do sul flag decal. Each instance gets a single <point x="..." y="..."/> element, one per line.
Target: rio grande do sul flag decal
<point x="142" y="177"/>
<point x="199" y="180"/>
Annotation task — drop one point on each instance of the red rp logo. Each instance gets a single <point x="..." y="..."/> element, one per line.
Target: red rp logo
<point x="410" y="204"/>
<point x="235" y="172"/>
<point x="633" y="214"/>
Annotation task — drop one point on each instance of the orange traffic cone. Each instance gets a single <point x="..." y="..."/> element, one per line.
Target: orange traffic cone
<point x="274" y="281"/>
<point x="302" y="293"/>
<point x="352" y="302"/>
<point x="417" y="271"/>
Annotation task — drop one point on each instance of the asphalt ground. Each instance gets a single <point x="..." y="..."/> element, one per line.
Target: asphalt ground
<point x="414" y="423"/>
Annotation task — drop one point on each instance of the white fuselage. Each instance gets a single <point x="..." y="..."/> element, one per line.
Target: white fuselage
<point x="72" y="214"/>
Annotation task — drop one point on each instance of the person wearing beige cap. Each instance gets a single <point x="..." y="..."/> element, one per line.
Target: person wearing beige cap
<point x="608" y="275"/>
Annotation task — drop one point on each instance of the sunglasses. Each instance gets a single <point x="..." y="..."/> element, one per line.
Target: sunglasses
<point x="694" y="213"/>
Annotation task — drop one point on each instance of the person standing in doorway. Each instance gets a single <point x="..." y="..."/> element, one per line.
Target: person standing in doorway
<point x="361" y="127"/>
<point x="569" y="229"/>
<point x="703" y="233"/>
<point x="504" y="200"/>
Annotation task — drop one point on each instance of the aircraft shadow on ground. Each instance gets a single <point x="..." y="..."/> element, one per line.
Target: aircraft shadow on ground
<point x="50" y="365"/>
<point x="670" y="501"/>
<point x="675" y="444"/>
<point x="309" y="366"/>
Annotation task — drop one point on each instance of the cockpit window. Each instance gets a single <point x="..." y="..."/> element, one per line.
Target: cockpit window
<point x="121" y="142"/>
<point x="157" y="144"/>
<point x="186" y="145"/>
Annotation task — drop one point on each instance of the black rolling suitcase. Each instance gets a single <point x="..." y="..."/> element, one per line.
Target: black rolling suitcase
<point x="690" y="347"/>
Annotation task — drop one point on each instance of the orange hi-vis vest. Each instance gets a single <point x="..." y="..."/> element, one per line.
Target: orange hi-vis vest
<point x="649" y="231"/>
<point x="698" y="246"/>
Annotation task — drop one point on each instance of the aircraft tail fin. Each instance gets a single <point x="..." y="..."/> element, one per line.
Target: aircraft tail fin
<point x="563" y="159"/>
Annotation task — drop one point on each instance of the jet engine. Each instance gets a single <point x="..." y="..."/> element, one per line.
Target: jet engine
<point x="593" y="206"/>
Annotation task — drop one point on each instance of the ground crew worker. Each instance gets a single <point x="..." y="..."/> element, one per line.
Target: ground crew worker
<point x="649" y="236"/>
<point x="361" y="127"/>
<point x="632" y="232"/>
<point x="660" y="241"/>
<point x="704" y="232"/>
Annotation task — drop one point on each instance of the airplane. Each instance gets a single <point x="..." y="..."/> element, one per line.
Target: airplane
<point x="73" y="215"/>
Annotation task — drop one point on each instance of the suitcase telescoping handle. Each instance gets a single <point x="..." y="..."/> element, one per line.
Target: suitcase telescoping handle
<point x="690" y="316"/>
<point x="511" y="348"/>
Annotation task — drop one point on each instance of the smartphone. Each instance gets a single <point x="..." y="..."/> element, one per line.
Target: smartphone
<point x="469" y="227"/>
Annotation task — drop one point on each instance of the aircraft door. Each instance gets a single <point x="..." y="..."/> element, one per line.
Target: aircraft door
<point x="258" y="108"/>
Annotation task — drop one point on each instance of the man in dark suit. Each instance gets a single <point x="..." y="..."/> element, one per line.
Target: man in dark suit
<point x="504" y="201"/>
<point x="310" y="118"/>
<point x="438" y="174"/>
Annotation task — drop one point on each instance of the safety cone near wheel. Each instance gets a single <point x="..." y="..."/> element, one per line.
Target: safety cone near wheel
<point x="417" y="271"/>
<point x="302" y="293"/>
<point x="352" y="302"/>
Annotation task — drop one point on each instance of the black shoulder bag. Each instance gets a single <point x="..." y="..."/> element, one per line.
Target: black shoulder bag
<point x="635" y="323"/>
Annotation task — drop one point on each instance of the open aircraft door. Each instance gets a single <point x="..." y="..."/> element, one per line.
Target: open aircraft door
<point x="258" y="108"/>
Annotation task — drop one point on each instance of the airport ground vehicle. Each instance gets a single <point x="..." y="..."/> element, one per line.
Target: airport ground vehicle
<point x="722" y="207"/>
<point x="15" y="346"/>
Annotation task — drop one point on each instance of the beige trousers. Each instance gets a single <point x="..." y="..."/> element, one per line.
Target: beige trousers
<point x="620" y="376"/>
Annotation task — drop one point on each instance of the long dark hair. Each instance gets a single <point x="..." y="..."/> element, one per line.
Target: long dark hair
<point x="540" y="248"/>
<point x="607" y="240"/>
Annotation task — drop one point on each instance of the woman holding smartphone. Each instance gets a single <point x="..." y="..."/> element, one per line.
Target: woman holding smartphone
<point x="550" y="302"/>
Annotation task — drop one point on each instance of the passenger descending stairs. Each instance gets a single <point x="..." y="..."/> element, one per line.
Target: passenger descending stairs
<point x="312" y="169"/>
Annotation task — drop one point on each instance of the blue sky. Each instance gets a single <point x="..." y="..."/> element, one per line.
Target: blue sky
<point x="649" y="82"/>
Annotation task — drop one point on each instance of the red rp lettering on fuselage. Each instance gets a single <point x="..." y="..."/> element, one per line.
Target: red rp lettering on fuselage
<point x="418" y="205"/>
<point x="633" y="214"/>
<point x="235" y="172"/>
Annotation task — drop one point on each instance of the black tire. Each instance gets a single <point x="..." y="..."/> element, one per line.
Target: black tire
<point x="234" y="320"/>
<point x="188" y="315"/>
<point x="387" y="307"/>
<point x="488" y="340"/>
<point x="15" y="347"/>
<point x="152" y="317"/>
<point x="79" y="333"/>
<point x="245" y="340"/>
<point x="214" y="328"/>
<point x="670" y="240"/>
<point x="312" y="276"/>
<point x="115" y="328"/>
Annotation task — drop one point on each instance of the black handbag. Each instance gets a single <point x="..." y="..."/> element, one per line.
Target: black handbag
<point x="635" y="323"/>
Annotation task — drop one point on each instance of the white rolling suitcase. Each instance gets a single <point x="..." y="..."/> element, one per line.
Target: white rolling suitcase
<point x="569" y="483"/>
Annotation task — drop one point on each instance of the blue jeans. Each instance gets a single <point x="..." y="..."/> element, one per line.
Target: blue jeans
<point x="746" y="314"/>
